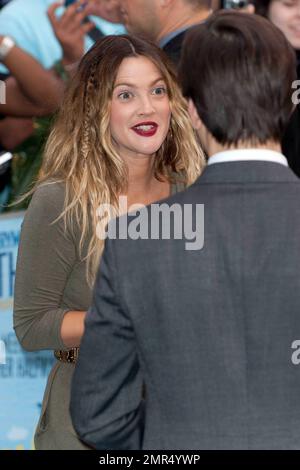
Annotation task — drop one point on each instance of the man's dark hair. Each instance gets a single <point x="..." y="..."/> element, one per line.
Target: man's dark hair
<point x="262" y="7"/>
<point x="238" y="69"/>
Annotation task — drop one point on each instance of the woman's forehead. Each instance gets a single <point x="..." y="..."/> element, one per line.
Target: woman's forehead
<point x="138" y="70"/>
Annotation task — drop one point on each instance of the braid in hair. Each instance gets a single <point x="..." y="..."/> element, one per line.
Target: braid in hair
<point x="89" y="90"/>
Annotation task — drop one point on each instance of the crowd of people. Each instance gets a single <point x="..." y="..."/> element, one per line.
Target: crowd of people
<point x="178" y="101"/>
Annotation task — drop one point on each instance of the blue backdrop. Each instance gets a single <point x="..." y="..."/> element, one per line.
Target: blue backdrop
<point x="22" y="375"/>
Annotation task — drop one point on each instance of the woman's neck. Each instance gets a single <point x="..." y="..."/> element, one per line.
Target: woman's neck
<point x="143" y="187"/>
<point x="140" y="173"/>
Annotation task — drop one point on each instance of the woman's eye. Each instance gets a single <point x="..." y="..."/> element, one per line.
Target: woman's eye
<point x="159" y="91"/>
<point x="125" y="95"/>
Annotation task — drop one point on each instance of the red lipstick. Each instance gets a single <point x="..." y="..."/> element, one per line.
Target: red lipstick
<point x="145" y="129"/>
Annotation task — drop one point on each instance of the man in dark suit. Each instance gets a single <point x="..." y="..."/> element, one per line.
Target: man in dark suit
<point x="211" y="332"/>
<point x="164" y="22"/>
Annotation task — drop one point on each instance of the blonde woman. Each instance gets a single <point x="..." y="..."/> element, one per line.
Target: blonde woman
<point x="123" y="130"/>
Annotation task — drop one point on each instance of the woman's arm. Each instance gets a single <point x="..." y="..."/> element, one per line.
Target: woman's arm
<point x="72" y="328"/>
<point x="46" y="259"/>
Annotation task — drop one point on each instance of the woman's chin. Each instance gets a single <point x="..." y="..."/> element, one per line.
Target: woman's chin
<point x="148" y="150"/>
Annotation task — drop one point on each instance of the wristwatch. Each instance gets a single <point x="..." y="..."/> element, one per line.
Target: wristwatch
<point x="6" y="45"/>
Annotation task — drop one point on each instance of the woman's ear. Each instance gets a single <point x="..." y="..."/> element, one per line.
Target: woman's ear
<point x="196" y="121"/>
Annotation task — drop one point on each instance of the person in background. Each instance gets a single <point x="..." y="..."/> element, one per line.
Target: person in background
<point x="23" y="98"/>
<point x="27" y="23"/>
<point x="208" y="329"/>
<point x="123" y="129"/>
<point x="285" y="14"/>
<point x="165" y="23"/>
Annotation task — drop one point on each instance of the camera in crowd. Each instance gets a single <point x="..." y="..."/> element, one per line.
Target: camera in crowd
<point x="234" y="4"/>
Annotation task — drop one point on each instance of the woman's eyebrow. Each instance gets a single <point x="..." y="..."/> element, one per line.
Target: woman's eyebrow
<point x="132" y="85"/>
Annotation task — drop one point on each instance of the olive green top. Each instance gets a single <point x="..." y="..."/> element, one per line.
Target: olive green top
<point x="50" y="277"/>
<point x="50" y="281"/>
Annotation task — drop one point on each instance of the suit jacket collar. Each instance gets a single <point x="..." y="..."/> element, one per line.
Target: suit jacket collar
<point x="251" y="154"/>
<point x="247" y="172"/>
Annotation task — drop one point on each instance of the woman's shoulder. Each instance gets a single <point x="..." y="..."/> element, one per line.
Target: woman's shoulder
<point x="51" y="192"/>
<point x="44" y="216"/>
<point x="47" y="200"/>
<point x="51" y="188"/>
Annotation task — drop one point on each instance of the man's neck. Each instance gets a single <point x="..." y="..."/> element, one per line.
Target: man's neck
<point x="180" y="20"/>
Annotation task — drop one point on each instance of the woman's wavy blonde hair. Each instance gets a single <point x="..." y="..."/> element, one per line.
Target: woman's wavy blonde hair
<point x="80" y="151"/>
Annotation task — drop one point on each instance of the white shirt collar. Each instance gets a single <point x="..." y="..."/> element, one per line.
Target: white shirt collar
<point x="254" y="154"/>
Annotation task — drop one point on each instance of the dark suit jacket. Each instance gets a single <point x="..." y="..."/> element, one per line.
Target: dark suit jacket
<point x="291" y="139"/>
<point x="291" y="142"/>
<point x="173" y="48"/>
<point x="209" y="332"/>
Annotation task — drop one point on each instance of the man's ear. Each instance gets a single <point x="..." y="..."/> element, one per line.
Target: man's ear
<point x="196" y="121"/>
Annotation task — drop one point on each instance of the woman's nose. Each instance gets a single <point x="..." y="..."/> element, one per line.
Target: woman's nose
<point x="146" y="106"/>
